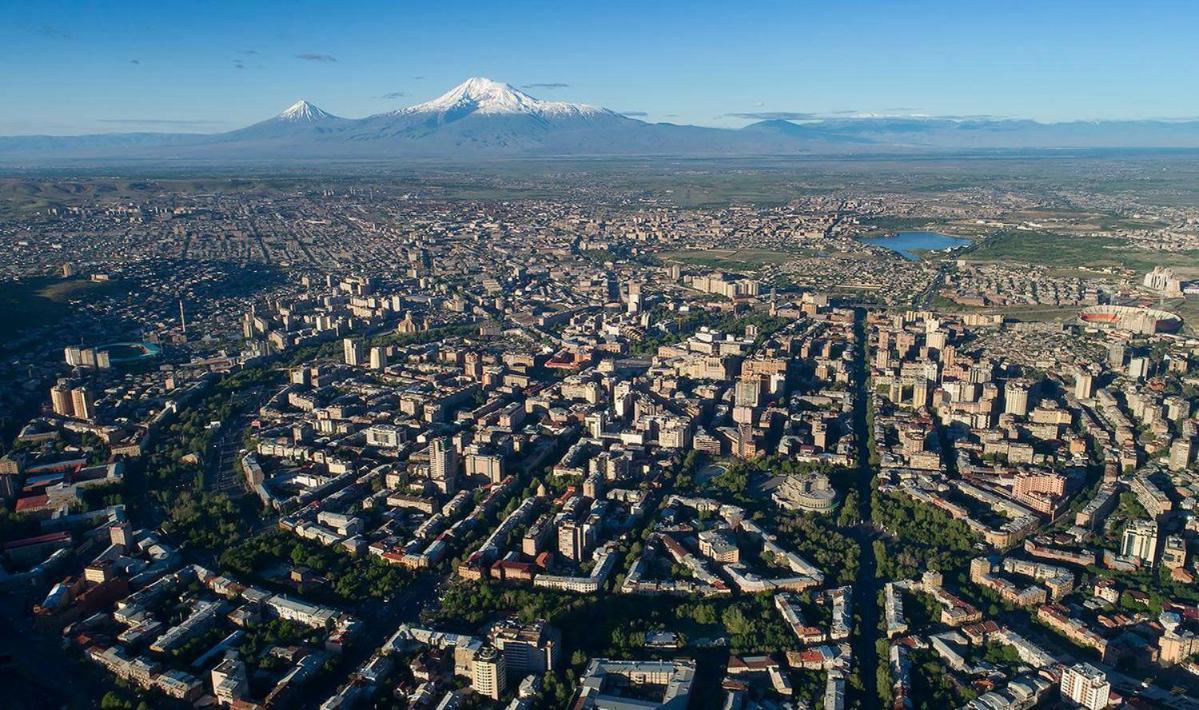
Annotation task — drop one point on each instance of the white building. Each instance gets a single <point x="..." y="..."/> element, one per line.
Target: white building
<point x="1140" y="541"/>
<point x="1085" y="686"/>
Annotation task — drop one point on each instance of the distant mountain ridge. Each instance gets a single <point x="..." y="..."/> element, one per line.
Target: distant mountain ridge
<point x="481" y="119"/>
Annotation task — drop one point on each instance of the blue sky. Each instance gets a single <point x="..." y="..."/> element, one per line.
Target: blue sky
<point x="71" y="67"/>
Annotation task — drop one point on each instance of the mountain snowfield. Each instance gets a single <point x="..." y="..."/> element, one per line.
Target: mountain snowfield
<point x="481" y="120"/>
<point x="484" y="97"/>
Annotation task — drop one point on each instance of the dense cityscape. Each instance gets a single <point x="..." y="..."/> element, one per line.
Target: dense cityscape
<point x="772" y="355"/>
<point x="610" y="440"/>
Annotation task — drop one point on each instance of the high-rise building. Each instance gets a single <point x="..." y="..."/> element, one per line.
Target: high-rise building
<point x="596" y="422"/>
<point x="12" y="466"/>
<point x="1015" y="397"/>
<point x="593" y="485"/>
<point x="82" y="403"/>
<point x="229" y="682"/>
<point x="634" y="305"/>
<point x="919" y="394"/>
<point x="1084" y="385"/>
<point x="443" y="464"/>
<point x="980" y="373"/>
<point x="1176" y="644"/>
<point x="473" y="366"/>
<point x="527" y="648"/>
<point x="488" y="675"/>
<point x="1177" y="408"/>
<point x="1138" y="368"/>
<point x="1174" y="552"/>
<point x="572" y="539"/>
<point x="1140" y="541"/>
<point x="353" y="351"/>
<point x="1086" y="686"/>
<point x="1181" y="453"/>
<point x="622" y="399"/>
<point x="937" y="339"/>
<point x="1115" y="355"/>
<point x="60" y="400"/>
<point x="378" y="358"/>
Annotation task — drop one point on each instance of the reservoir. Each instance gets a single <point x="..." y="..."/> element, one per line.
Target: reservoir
<point x="909" y="245"/>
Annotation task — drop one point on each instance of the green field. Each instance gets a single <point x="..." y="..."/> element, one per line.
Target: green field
<point x="1062" y="251"/>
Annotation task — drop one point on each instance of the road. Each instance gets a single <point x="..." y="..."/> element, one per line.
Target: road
<point x="867" y="585"/>
<point x="380" y="619"/>
<point x="924" y="299"/>
<point x="221" y="473"/>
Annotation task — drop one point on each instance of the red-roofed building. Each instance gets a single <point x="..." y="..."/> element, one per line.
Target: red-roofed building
<point x="394" y="558"/>
<point x="978" y="633"/>
<point x="812" y="658"/>
<point x="33" y="504"/>
<point x="751" y="664"/>
<point x="566" y="495"/>
<point x="569" y="360"/>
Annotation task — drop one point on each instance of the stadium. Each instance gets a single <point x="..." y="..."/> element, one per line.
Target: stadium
<point x="1145" y="321"/>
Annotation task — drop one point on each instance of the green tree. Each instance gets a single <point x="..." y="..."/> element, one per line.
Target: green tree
<point x="112" y="701"/>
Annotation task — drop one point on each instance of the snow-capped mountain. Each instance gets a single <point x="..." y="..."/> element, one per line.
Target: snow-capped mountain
<point x="481" y="119"/>
<point x="490" y="118"/>
<point x="478" y="95"/>
<point x="304" y="112"/>
<point x="295" y="125"/>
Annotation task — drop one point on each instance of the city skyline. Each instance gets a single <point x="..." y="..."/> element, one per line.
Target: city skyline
<point x="146" y="68"/>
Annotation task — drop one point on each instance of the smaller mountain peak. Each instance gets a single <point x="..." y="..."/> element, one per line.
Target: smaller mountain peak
<point x="304" y="111"/>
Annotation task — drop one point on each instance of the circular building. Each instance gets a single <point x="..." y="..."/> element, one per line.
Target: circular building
<point x="1143" y="321"/>
<point x="812" y="492"/>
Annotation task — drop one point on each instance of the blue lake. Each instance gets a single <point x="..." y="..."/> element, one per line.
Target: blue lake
<point x="910" y="244"/>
